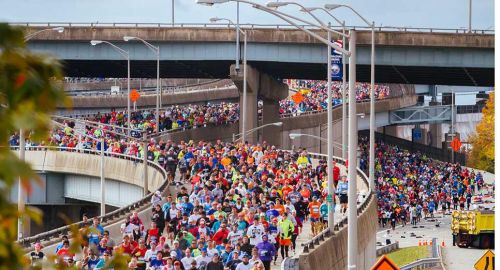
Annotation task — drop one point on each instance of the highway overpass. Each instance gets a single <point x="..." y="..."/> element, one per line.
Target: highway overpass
<point x="450" y="58"/>
<point x="70" y="179"/>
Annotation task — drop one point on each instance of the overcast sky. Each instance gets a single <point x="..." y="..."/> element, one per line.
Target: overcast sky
<point x="409" y="13"/>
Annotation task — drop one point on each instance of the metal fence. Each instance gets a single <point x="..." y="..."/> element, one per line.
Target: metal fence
<point x="429" y="151"/>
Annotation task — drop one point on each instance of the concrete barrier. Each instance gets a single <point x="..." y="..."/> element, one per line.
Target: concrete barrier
<point x="332" y="253"/>
<point x="387" y="249"/>
<point x="120" y="101"/>
<point x="118" y="169"/>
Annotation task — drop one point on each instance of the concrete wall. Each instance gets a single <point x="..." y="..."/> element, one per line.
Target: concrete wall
<point x="263" y="35"/>
<point x="120" y="101"/>
<point x="86" y="164"/>
<point x="332" y="253"/>
<point x="314" y="124"/>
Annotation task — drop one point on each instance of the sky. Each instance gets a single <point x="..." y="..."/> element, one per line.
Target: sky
<point x="398" y="13"/>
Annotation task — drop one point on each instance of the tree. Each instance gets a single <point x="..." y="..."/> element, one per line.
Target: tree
<point x="28" y="93"/>
<point x="30" y="89"/>
<point x="482" y="155"/>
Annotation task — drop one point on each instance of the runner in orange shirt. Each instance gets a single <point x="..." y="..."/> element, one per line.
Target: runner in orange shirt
<point x="314" y="214"/>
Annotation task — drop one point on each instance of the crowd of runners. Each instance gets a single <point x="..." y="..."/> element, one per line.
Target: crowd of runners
<point x="239" y="206"/>
<point x="411" y="186"/>
<point x="242" y="206"/>
<point x="191" y="115"/>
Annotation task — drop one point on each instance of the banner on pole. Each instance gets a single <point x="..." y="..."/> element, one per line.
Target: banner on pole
<point x="337" y="66"/>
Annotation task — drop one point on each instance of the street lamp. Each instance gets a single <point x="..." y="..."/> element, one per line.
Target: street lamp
<point x="344" y="103"/>
<point x="276" y="124"/>
<point x="155" y="50"/>
<point x="352" y="66"/>
<point x="22" y="148"/>
<point x="126" y="55"/>
<point x="371" y="164"/>
<point x="30" y="36"/>
<point x="331" y="188"/>
<point x="244" y="107"/>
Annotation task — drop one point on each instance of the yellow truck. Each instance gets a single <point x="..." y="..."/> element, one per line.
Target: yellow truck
<point x="473" y="229"/>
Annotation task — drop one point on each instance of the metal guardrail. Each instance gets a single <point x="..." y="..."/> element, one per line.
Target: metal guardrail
<point x="248" y="26"/>
<point x="110" y="217"/>
<point x="422" y="264"/>
<point x="343" y="221"/>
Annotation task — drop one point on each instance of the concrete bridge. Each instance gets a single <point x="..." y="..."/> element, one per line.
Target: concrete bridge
<point x="70" y="176"/>
<point x="313" y="123"/>
<point x="450" y="58"/>
<point x="311" y="257"/>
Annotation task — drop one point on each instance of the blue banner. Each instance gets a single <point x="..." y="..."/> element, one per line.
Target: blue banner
<point x="337" y="67"/>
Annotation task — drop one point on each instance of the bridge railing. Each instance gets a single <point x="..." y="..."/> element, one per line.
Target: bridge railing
<point x="55" y="234"/>
<point x="249" y="26"/>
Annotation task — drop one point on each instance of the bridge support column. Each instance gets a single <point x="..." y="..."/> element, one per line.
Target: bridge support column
<point x="271" y="91"/>
<point x="435" y="135"/>
<point x="271" y="114"/>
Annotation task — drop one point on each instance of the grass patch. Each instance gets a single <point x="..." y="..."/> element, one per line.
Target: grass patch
<point x="404" y="256"/>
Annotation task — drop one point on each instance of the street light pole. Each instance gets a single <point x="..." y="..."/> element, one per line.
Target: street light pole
<point x="173" y="12"/>
<point x="352" y="222"/>
<point x="20" y="190"/>
<point x="470" y="16"/>
<point x="128" y="95"/>
<point x="22" y="149"/>
<point x="30" y="36"/>
<point x="155" y="50"/>
<point x="329" y="161"/>
<point x="244" y="109"/>
<point x="371" y="165"/>
<point x="103" y="204"/>
<point x="237" y="30"/>
<point x="244" y="106"/>
<point x="372" y="94"/>
<point x="145" y="161"/>
<point x="126" y="55"/>
<point x="344" y="98"/>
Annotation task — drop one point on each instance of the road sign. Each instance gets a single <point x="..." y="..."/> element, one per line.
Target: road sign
<point x="456" y="144"/>
<point x="417" y="134"/>
<point x="486" y="262"/>
<point x="134" y="95"/>
<point x="329" y="198"/>
<point x="384" y="263"/>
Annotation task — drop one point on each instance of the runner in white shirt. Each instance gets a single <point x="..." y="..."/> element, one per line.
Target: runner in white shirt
<point x="255" y="232"/>
<point x="211" y="250"/>
<point x="187" y="260"/>
<point x="203" y="258"/>
<point x="245" y="264"/>
<point x="151" y="253"/>
<point x="234" y="235"/>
